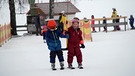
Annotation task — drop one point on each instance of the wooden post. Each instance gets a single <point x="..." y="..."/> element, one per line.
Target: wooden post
<point x="0" y="35"/>
<point x="99" y="23"/>
<point x="125" y="22"/>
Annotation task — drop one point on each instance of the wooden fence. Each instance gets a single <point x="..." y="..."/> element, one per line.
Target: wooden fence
<point x="124" y="22"/>
<point x="5" y="33"/>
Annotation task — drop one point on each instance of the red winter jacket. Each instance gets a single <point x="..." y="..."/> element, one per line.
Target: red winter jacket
<point x="75" y="37"/>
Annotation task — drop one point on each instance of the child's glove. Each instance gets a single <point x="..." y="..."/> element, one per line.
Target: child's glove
<point x="82" y="46"/>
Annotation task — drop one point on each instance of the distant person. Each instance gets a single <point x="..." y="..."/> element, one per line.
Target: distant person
<point x="85" y="19"/>
<point x="114" y="15"/>
<point x="54" y="44"/>
<point x="131" y="22"/>
<point x="104" y="22"/>
<point x="37" y="24"/>
<point x="93" y="22"/>
<point x="62" y="21"/>
<point x="117" y="21"/>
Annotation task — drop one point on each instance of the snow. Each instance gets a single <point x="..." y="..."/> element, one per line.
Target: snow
<point x="100" y="8"/>
<point x="4" y="14"/>
<point x="110" y="54"/>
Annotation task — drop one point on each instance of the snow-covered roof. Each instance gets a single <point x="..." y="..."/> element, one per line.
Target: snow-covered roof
<point x="68" y="7"/>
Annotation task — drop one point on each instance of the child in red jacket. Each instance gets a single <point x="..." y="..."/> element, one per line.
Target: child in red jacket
<point x="93" y="22"/>
<point x="74" y="41"/>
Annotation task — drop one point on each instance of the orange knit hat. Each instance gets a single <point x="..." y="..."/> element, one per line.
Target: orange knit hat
<point x="51" y="24"/>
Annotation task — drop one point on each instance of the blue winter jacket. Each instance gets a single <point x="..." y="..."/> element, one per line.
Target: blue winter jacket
<point x="53" y="41"/>
<point x="131" y="20"/>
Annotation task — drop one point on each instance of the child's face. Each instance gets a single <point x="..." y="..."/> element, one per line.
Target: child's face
<point x="52" y="29"/>
<point x="75" y="25"/>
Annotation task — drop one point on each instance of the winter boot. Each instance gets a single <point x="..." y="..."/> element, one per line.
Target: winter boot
<point x="61" y="65"/>
<point x="53" y="66"/>
<point x="80" y="66"/>
<point x="70" y="66"/>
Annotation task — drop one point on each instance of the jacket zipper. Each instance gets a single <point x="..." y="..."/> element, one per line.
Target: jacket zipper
<point x="54" y="38"/>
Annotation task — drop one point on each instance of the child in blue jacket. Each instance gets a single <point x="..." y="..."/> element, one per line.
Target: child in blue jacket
<point x="54" y="44"/>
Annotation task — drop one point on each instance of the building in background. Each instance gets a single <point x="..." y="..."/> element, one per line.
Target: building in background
<point x="68" y="7"/>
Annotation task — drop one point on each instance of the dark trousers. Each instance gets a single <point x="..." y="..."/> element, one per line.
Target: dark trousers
<point x="114" y="21"/>
<point x="44" y="36"/>
<point x="132" y="26"/>
<point x="105" y="28"/>
<point x="53" y="56"/>
<point x="38" y="30"/>
<point x="61" y="27"/>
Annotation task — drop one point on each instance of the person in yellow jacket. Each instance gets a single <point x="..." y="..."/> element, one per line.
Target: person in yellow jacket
<point x="62" y="21"/>
<point x="114" y="14"/>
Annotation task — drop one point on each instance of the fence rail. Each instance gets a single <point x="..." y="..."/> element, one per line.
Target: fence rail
<point x="124" y="22"/>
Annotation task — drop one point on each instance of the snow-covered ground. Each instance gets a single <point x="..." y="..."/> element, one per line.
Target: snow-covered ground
<point x="110" y="54"/>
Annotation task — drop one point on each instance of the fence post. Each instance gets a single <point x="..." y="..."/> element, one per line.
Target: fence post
<point x="0" y="35"/>
<point x="99" y="23"/>
<point x="125" y="22"/>
<point x="9" y="31"/>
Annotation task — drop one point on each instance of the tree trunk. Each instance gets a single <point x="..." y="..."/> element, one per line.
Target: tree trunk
<point x="12" y="17"/>
<point x="51" y="9"/>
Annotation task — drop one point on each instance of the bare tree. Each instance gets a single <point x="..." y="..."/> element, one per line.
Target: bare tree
<point x="21" y="6"/>
<point x="51" y="9"/>
<point x="12" y="17"/>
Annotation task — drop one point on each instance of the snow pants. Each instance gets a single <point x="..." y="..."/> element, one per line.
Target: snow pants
<point x="53" y="56"/>
<point x="93" y="28"/>
<point x="74" y="51"/>
<point x="132" y="25"/>
<point x="38" y="30"/>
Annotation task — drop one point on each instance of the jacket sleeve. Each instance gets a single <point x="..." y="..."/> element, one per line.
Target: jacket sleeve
<point x="47" y="38"/>
<point x="61" y="20"/>
<point x="62" y="35"/>
<point x="81" y="39"/>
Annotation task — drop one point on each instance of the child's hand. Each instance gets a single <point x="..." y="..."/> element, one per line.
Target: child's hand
<point x="65" y="32"/>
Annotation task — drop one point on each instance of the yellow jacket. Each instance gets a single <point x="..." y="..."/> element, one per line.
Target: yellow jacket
<point x="63" y="19"/>
<point x="114" y="14"/>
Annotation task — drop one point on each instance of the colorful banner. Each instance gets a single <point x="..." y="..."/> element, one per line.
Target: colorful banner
<point x="86" y="30"/>
<point x="5" y="33"/>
